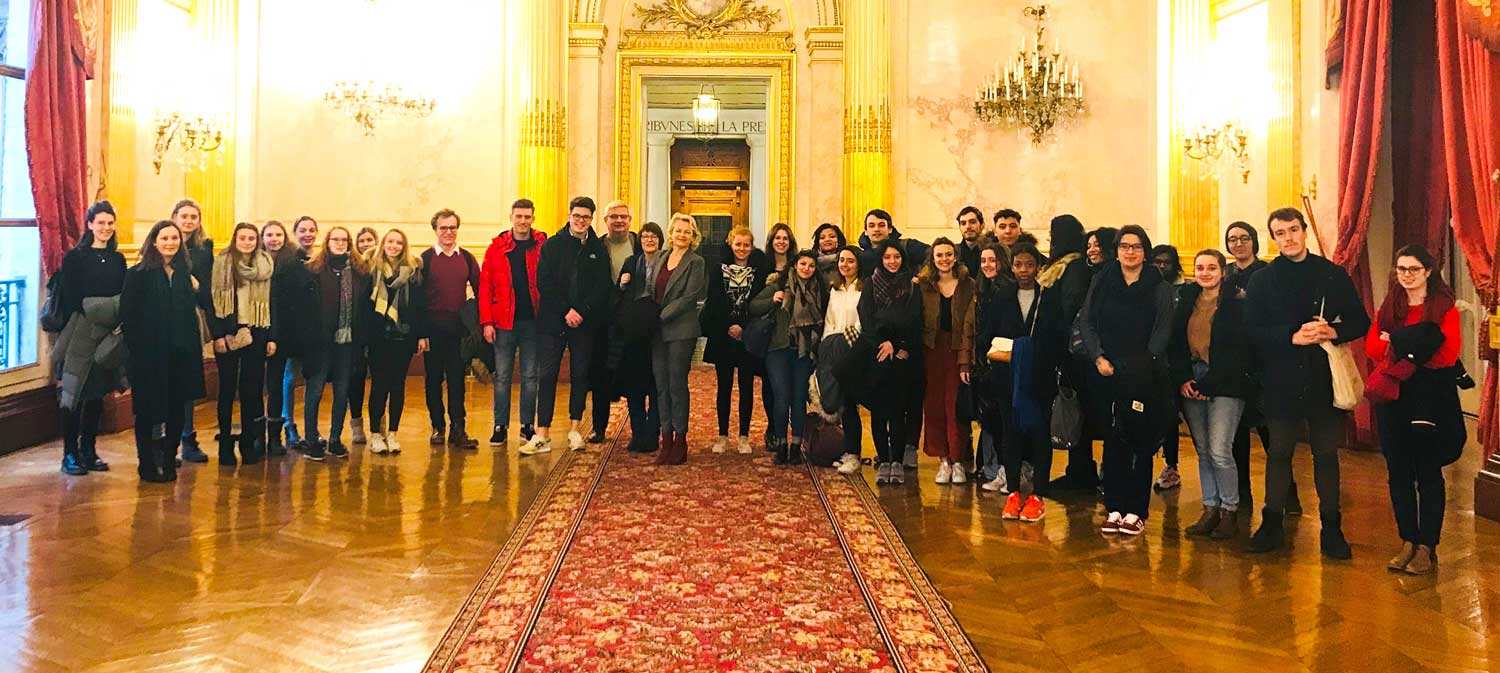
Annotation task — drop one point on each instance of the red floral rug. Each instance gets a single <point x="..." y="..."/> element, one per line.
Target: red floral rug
<point x="729" y="563"/>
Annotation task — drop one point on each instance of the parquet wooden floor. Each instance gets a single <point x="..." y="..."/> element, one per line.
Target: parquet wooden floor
<point x="360" y="565"/>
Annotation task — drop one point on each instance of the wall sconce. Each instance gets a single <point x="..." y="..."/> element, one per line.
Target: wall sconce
<point x="197" y="134"/>
<point x="706" y="112"/>
<point x="1210" y="143"/>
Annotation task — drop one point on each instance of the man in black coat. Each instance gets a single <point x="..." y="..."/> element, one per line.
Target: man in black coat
<point x="1296" y="305"/>
<point x="572" y="277"/>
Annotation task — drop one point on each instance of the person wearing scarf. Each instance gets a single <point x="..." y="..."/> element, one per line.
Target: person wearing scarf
<point x="1421" y="428"/>
<point x="740" y="275"/>
<point x="397" y="331"/>
<point x="341" y="286"/>
<point x="240" y="287"/>
<point x="890" y="315"/>
<point x="797" y="300"/>
<point x="828" y="240"/>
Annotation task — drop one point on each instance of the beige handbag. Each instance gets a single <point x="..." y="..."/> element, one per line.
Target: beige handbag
<point x="239" y="339"/>
<point x="1348" y="383"/>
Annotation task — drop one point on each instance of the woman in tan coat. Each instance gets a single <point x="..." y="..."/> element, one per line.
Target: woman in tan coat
<point x="948" y="346"/>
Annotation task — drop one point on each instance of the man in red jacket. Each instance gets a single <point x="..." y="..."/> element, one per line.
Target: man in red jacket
<point x="508" y="299"/>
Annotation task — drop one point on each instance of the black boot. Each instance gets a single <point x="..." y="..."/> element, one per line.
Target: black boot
<point x="166" y="461"/>
<point x="782" y="450"/>
<point x="1332" y="541"/>
<point x="273" y="437"/>
<point x="252" y="448"/>
<point x="91" y="458"/>
<point x="226" y="450"/>
<point x="794" y="453"/>
<point x="191" y="452"/>
<point x="1293" y="503"/>
<point x="1269" y="536"/>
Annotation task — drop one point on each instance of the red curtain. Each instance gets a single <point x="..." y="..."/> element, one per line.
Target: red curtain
<point x="1419" y="174"/>
<point x="1469" y="93"/>
<point x="57" y="127"/>
<point x="1362" y="95"/>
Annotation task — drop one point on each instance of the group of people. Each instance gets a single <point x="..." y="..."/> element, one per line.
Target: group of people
<point x="1087" y="341"/>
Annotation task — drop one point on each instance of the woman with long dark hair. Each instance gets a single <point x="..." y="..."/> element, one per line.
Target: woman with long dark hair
<point x="341" y="287"/>
<point x="781" y="251"/>
<point x="93" y="273"/>
<point x="797" y="300"/>
<point x="1126" y="326"/>
<point x="397" y="331"/>
<point x="890" y="313"/>
<point x="841" y="330"/>
<point x="1065" y="282"/>
<point x="827" y="241"/>
<point x="241" y="327"/>
<point x="1415" y="341"/>
<point x="159" y="316"/>
<point x="741" y="275"/>
<point x="948" y="343"/>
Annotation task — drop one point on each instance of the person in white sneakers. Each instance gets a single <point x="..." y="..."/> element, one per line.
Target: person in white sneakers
<point x="948" y="342"/>
<point x="398" y="330"/>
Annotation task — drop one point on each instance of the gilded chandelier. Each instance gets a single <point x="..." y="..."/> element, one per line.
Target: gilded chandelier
<point x="1036" y="90"/>
<point x="1209" y="143"/>
<point x="190" y="135"/>
<point x="368" y="102"/>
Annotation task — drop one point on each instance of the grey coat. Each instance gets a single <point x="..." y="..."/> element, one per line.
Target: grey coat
<point x="686" y="291"/>
<point x="87" y="358"/>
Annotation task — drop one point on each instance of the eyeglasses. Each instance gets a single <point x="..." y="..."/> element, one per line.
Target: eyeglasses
<point x="1238" y="239"/>
<point x="444" y="227"/>
<point x="1410" y="270"/>
<point x="582" y="217"/>
<point x="1131" y="247"/>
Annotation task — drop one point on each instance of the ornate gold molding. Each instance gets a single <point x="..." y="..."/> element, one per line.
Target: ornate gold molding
<point x="867" y="128"/>
<point x="661" y="40"/>
<point x="824" y="43"/>
<point x="707" y="18"/>
<point x="544" y="124"/>
<point x="587" y="36"/>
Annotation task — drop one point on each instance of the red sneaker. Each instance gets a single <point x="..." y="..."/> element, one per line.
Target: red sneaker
<point x="1033" y="511"/>
<point x="1132" y="525"/>
<point x="1012" y="507"/>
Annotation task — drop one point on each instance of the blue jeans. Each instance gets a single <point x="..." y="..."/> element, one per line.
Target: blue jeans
<point x="522" y="338"/>
<point x="1213" y="424"/>
<point x="335" y="366"/>
<point x="289" y="397"/>
<point x="789" y="374"/>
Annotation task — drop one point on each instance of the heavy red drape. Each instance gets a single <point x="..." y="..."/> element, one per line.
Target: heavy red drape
<point x="56" y="126"/>
<point x="1418" y="173"/>
<point x="1469" y="93"/>
<point x="1362" y="94"/>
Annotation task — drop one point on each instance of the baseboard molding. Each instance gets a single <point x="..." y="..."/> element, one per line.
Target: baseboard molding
<point x="28" y="418"/>
<point x="1487" y="489"/>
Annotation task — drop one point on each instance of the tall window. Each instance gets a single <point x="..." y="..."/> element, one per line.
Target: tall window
<point x="20" y="244"/>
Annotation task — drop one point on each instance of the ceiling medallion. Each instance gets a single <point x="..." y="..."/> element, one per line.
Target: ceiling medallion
<point x="707" y="18"/>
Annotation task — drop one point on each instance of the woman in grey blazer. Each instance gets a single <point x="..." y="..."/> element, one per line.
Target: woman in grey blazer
<point x="677" y="284"/>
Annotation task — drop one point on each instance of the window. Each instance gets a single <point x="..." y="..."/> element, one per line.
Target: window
<point x="20" y="245"/>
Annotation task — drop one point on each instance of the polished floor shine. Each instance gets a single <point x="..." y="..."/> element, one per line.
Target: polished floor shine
<point x="359" y="565"/>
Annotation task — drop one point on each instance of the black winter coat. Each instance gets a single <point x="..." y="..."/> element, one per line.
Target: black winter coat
<point x="1003" y="319"/>
<point x="1230" y="352"/>
<point x="717" y="317"/>
<point x="294" y="306"/>
<point x="889" y="384"/>
<point x="572" y="274"/>
<point x="1295" y="380"/>
<point x="916" y="254"/>
<point x="160" y="321"/>
<point x="326" y="320"/>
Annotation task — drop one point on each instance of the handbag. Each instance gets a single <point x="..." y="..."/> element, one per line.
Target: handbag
<point x="824" y="443"/>
<point x="1348" y="383"/>
<point x="757" y="334"/>
<point x="240" y="339"/>
<point x="53" y="320"/>
<point x="1067" y="418"/>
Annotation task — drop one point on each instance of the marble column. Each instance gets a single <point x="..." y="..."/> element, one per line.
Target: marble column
<point x="211" y="181"/>
<point x="1193" y="185"/>
<point x="867" y="111"/>
<point x="585" y="52"/>
<point x="759" y="177"/>
<point x="541" y="74"/>
<point x="659" y="178"/>
<point x="823" y="120"/>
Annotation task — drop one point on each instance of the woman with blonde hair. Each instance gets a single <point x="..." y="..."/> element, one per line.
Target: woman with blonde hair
<point x="398" y="330"/>
<point x="340" y="288"/>
<point x="741" y="275"/>
<point x="241" y="327"/>
<point x="679" y="286"/>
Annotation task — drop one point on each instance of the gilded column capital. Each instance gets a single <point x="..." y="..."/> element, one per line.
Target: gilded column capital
<point x="825" y="43"/>
<point x="544" y="124"/>
<point x="867" y="128"/>
<point x="586" y="40"/>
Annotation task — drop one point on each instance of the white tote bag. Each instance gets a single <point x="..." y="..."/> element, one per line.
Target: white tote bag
<point x="1348" y="383"/>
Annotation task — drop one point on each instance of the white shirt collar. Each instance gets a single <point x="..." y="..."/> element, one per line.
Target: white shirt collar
<point x="438" y="250"/>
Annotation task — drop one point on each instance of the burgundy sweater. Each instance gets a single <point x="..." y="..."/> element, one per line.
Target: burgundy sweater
<point x="444" y="283"/>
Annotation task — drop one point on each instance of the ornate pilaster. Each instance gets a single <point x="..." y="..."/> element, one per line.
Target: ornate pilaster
<point x="585" y="69"/>
<point x="867" y="111"/>
<point x="823" y="118"/>
<point x="543" y="79"/>
<point x="1193" y="185"/>
<point x="1283" y="126"/>
<point x="119" y="162"/>
<point x="212" y="184"/>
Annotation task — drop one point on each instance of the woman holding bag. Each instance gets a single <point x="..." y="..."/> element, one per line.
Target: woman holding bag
<point x="241" y="327"/>
<point x="1415" y="341"/>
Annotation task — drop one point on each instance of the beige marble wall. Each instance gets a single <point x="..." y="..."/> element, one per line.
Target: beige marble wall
<point x="1101" y="168"/>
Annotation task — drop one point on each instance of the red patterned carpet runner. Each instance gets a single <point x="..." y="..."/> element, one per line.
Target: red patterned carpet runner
<point x="729" y="563"/>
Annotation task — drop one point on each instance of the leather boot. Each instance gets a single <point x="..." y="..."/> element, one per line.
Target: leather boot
<point x="1423" y="561"/>
<point x="273" y="437"/>
<point x="679" y="448"/>
<point x="90" y="455"/>
<point x="1228" y="527"/>
<point x="252" y="448"/>
<point x="1331" y="539"/>
<point x="668" y="449"/>
<point x="781" y="453"/>
<point x="226" y="449"/>
<point x="1207" y="522"/>
<point x="167" y="459"/>
<point x="1269" y="536"/>
<point x="794" y="453"/>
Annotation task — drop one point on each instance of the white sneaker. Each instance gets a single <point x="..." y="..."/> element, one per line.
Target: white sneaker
<point x="911" y="456"/>
<point x="882" y="473"/>
<point x="377" y="442"/>
<point x="745" y="446"/>
<point x="537" y="444"/>
<point x="960" y="474"/>
<point x="944" y="473"/>
<point x="575" y="441"/>
<point x="849" y="464"/>
<point x="996" y="484"/>
<point x="392" y="445"/>
<point x="898" y="474"/>
<point x="720" y="444"/>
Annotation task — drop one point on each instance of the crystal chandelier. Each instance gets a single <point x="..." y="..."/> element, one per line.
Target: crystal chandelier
<point x="368" y="102"/>
<point x="190" y="135"/>
<point x="1208" y="143"/>
<point x="1036" y="90"/>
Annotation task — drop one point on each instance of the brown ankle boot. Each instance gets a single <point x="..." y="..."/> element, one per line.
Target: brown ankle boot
<point x="1422" y="562"/>
<point x="1207" y="521"/>
<point x="1228" y="527"/>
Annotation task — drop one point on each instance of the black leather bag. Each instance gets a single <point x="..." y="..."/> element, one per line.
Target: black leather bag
<point x="757" y="335"/>
<point x="53" y="321"/>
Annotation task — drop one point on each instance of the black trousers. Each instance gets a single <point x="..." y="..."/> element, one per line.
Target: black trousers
<point x="888" y="429"/>
<point x="1127" y="474"/>
<point x="1034" y="448"/>
<point x="389" y="360"/>
<point x="156" y="443"/>
<point x="580" y="346"/>
<point x="80" y="427"/>
<point x="602" y="380"/>
<point x="242" y="373"/>
<point x="1325" y="431"/>
<point x="357" y="378"/>
<point x="1414" y="474"/>
<point x="853" y="433"/>
<point x="444" y="363"/>
<point x="727" y="375"/>
<point x="1241" y="452"/>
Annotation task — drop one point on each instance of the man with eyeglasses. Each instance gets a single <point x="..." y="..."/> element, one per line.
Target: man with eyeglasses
<point x="450" y="273"/>
<point x="621" y="243"/>
<point x="574" y="283"/>
<point x="1294" y="307"/>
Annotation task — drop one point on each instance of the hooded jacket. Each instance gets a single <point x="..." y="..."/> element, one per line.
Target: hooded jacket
<point x="916" y="253"/>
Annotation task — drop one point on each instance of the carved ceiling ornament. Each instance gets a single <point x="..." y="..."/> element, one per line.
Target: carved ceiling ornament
<point x="707" y="18"/>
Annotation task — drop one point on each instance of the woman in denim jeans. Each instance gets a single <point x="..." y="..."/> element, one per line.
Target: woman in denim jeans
<point x="797" y="299"/>
<point x="1210" y="359"/>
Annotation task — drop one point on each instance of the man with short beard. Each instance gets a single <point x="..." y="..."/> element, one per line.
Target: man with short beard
<point x="621" y="243"/>
<point x="971" y="228"/>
